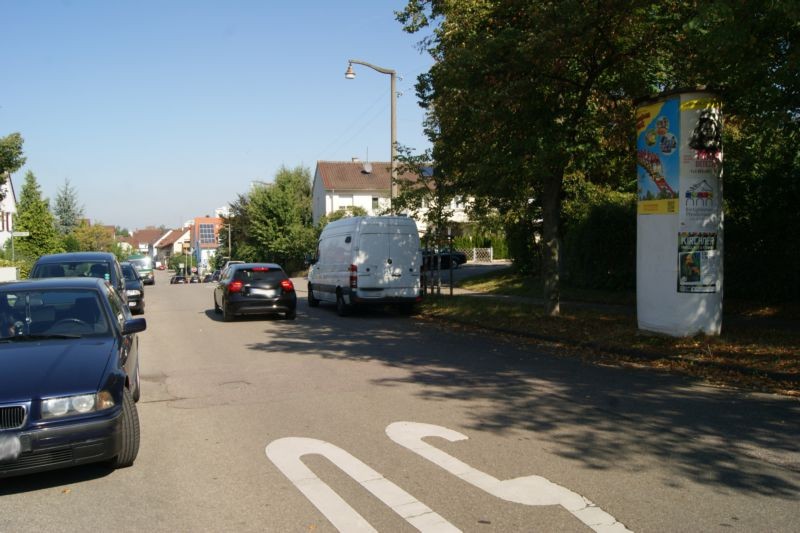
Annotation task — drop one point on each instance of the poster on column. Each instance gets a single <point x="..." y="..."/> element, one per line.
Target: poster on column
<point x="701" y="162"/>
<point x="698" y="262"/>
<point x="658" y="157"/>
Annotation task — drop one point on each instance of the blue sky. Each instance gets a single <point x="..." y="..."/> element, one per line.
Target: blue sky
<point x="157" y="112"/>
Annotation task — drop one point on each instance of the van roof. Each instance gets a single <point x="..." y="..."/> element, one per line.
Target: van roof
<point x="391" y="220"/>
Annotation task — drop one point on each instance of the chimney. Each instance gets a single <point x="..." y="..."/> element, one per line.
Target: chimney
<point x="355" y="160"/>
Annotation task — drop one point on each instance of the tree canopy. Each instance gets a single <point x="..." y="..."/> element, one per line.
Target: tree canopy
<point x="67" y="211"/>
<point x="11" y="158"/>
<point x="33" y="216"/>
<point x="525" y="95"/>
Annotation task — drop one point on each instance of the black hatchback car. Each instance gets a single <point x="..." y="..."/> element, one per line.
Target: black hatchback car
<point x="255" y="289"/>
<point x="69" y="376"/>
<point x="134" y="287"/>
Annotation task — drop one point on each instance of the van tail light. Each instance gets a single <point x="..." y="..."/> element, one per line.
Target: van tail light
<point x="287" y="285"/>
<point x="235" y="286"/>
<point x="353" y="276"/>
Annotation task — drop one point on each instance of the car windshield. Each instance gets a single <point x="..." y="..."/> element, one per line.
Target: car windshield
<point x="129" y="273"/>
<point x="74" y="269"/>
<point x="42" y="313"/>
<point x="145" y="263"/>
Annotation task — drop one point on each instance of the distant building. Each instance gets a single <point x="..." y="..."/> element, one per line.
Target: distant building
<point x="8" y="210"/>
<point x="342" y="184"/>
<point x="205" y="239"/>
<point x="143" y="241"/>
<point x="171" y="244"/>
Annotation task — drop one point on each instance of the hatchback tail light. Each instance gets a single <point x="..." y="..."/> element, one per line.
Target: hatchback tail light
<point x="353" y="276"/>
<point x="235" y="286"/>
<point x="287" y="285"/>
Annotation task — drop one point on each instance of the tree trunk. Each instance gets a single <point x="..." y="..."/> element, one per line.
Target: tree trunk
<point x="551" y="224"/>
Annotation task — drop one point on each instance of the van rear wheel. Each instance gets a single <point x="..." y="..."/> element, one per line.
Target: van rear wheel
<point x="342" y="308"/>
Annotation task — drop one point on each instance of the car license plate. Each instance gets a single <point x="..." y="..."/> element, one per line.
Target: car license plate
<point x="131" y="304"/>
<point x="10" y="447"/>
<point x="267" y="293"/>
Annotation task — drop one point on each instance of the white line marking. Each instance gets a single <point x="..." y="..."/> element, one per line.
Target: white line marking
<point x="528" y="490"/>
<point x="286" y="454"/>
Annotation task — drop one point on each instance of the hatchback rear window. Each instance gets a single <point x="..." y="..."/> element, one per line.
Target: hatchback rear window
<point x="259" y="274"/>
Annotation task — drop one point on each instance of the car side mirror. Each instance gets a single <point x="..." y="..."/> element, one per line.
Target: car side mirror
<point x="134" y="325"/>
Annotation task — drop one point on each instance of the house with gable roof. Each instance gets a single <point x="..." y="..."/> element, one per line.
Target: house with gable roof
<point x="342" y="184"/>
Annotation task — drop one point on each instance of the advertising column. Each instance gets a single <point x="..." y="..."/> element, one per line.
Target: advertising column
<point x="679" y="220"/>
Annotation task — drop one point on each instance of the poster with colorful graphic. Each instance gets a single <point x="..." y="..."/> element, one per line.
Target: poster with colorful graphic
<point x="701" y="162"/>
<point x="658" y="157"/>
<point x="698" y="262"/>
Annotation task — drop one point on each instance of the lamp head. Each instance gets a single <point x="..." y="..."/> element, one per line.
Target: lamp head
<point x="350" y="74"/>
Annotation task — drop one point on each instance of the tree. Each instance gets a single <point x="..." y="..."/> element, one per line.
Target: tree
<point x="239" y="224"/>
<point x="66" y="210"/>
<point x="424" y="192"/>
<point x="280" y="218"/>
<point x="11" y="158"/>
<point x="525" y="94"/>
<point x="34" y="216"/>
<point x="94" y="238"/>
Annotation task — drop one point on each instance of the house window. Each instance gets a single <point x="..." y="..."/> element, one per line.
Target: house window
<point x="345" y="200"/>
<point x="207" y="234"/>
<point x="375" y="204"/>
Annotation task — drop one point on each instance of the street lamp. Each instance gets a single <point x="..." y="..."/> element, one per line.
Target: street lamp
<point x="350" y="74"/>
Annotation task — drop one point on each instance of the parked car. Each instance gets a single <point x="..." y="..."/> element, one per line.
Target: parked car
<point x="255" y="288"/>
<point x="208" y="278"/>
<point x="144" y="264"/>
<point x="134" y="287"/>
<point x="69" y="375"/>
<point x="215" y="275"/>
<point x="81" y="264"/>
<point x="446" y="256"/>
<point x="366" y="260"/>
<point x="178" y="278"/>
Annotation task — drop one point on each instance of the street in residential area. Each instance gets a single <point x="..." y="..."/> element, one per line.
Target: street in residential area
<point x="384" y="421"/>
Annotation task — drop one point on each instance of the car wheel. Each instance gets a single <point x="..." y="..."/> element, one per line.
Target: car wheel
<point x="129" y="437"/>
<point x="291" y="315"/>
<point x="312" y="302"/>
<point x="216" y="307"/>
<point x="341" y="307"/>
<point x="227" y="316"/>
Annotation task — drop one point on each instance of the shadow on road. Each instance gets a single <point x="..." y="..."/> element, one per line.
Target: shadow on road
<point x="598" y="416"/>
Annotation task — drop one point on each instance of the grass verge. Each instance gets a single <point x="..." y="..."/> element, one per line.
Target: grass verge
<point x="758" y="350"/>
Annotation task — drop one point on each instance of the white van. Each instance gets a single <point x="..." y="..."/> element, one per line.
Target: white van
<point x="366" y="260"/>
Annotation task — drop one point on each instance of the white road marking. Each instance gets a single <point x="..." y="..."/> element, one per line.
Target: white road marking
<point x="286" y="454"/>
<point x="528" y="490"/>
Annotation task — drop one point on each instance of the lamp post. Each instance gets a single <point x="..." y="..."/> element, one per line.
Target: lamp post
<point x="350" y="74"/>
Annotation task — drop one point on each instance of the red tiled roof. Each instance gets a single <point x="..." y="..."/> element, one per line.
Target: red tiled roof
<point x="350" y="175"/>
<point x="145" y="236"/>
<point x="173" y="236"/>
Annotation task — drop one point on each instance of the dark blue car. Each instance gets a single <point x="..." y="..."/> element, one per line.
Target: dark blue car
<point x="69" y="375"/>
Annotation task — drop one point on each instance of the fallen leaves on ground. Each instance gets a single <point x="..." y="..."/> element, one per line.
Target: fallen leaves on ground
<point x="753" y="355"/>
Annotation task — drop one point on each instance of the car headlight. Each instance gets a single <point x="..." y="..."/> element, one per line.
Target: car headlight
<point x="75" y="405"/>
<point x="133" y="292"/>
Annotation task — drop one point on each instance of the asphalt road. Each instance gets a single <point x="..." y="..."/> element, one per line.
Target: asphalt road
<point x="227" y="409"/>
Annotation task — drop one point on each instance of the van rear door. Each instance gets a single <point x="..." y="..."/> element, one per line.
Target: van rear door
<point x="388" y="258"/>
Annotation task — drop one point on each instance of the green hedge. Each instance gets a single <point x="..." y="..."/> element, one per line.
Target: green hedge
<point x="599" y="237"/>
